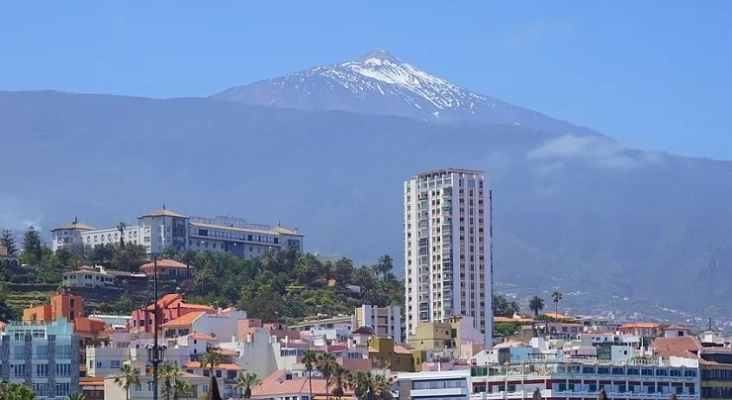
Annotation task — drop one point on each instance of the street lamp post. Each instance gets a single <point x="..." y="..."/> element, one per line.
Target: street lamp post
<point x="155" y="353"/>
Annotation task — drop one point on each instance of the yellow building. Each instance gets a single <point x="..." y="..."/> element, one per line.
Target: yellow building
<point x="385" y="354"/>
<point x="436" y="336"/>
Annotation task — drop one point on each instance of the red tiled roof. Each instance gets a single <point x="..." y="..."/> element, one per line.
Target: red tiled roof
<point x="276" y="385"/>
<point x="401" y="350"/>
<point x="640" y="325"/>
<point x="163" y="213"/>
<point x="201" y="336"/>
<point x="225" y="367"/>
<point x="184" y="320"/>
<point x="164" y="263"/>
<point x="684" y="346"/>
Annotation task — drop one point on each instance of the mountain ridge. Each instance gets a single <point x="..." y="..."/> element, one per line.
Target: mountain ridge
<point x="572" y="210"/>
<point x="382" y="84"/>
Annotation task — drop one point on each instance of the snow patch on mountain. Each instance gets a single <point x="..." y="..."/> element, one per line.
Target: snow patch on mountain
<point x="382" y="84"/>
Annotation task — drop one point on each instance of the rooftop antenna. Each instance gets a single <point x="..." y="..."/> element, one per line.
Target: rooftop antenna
<point x="163" y="205"/>
<point x="76" y="219"/>
<point x="710" y="323"/>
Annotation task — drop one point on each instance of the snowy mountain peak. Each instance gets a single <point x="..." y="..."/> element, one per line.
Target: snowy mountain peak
<point x="381" y="84"/>
<point x="379" y="55"/>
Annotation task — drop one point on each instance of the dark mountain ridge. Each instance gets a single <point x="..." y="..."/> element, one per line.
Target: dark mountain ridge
<point x="571" y="211"/>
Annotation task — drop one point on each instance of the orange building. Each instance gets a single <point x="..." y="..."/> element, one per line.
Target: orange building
<point x="171" y="307"/>
<point x="64" y="305"/>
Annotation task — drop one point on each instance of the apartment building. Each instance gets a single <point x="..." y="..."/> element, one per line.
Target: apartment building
<point x="61" y="305"/>
<point x="383" y="321"/>
<point x="43" y="356"/>
<point x="448" y="248"/>
<point x="165" y="228"/>
<point x="554" y="381"/>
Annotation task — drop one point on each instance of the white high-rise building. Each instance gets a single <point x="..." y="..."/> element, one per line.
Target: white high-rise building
<point x="448" y="249"/>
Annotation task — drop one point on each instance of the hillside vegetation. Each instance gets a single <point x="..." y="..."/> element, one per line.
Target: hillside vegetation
<point x="283" y="286"/>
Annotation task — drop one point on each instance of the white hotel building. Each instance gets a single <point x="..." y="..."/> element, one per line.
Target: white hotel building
<point x="165" y="228"/>
<point x="448" y="248"/>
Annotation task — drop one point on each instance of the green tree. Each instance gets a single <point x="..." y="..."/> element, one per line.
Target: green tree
<point x="65" y="258"/>
<point x="245" y="382"/>
<point x="77" y="396"/>
<point x="384" y="266"/>
<point x="8" y="240"/>
<point x="556" y="296"/>
<point x="32" y="247"/>
<point x="127" y="378"/>
<point x="181" y="388"/>
<point x="339" y="379"/>
<point x="506" y="329"/>
<point x="503" y="307"/>
<point x="121" y="228"/>
<point x="168" y="372"/>
<point x="16" y="391"/>
<point x="326" y="364"/>
<point x="310" y="359"/>
<point x="211" y="358"/>
<point x="536" y="304"/>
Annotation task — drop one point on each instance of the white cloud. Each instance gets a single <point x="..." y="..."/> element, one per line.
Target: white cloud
<point x="597" y="151"/>
<point x="18" y="215"/>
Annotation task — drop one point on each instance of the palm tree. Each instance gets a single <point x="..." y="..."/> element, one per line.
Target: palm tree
<point x="128" y="378"/>
<point x="556" y="296"/>
<point x="77" y="396"/>
<point x="211" y="358"/>
<point x="121" y="228"/>
<point x="310" y="358"/>
<point x="339" y="378"/>
<point x="382" y="387"/>
<point x="188" y="257"/>
<point x="246" y="382"/>
<point x="384" y="265"/>
<point x="180" y="388"/>
<point x="168" y="372"/>
<point x="536" y="304"/>
<point x="325" y="365"/>
<point x="16" y="391"/>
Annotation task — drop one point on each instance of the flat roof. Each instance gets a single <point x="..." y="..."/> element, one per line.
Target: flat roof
<point x="445" y="171"/>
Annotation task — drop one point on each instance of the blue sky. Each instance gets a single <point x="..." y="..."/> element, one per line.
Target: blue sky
<point x="652" y="74"/>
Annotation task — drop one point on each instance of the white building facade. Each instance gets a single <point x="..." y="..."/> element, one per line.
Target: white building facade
<point x="164" y="228"/>
<point x="448" y="248"/>
<point x="43" y="357"/>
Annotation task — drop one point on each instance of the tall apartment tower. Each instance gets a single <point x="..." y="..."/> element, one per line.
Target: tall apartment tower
<point x="448" y="248"/>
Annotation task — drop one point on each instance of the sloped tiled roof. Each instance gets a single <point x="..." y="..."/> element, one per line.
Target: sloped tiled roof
<point x="184" y="320"/>
<point x="225" y="367"/>
<point x="164" y="263"/>
<point x="276" y="385"/>
<point x="163" y="213"/>
<point x="74" y="225"/>
<point x="684" y="346"/>
<point x="640" y="325"/>
<point x="201" y="336"/>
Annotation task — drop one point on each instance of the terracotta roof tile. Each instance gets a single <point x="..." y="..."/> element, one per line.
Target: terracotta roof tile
<point x="201" y="336"/>
<point x="164" y="263"/>
<point x="401" y="350"/>
<point x="685" y="346"/>
<point x="163" y="213"/>
<point x="640" y="325"/>
<point x="276" y="385"/>
<point x="225" y="367"/>
<point x="184" y="320"/>
<point x="74" y="225"/>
